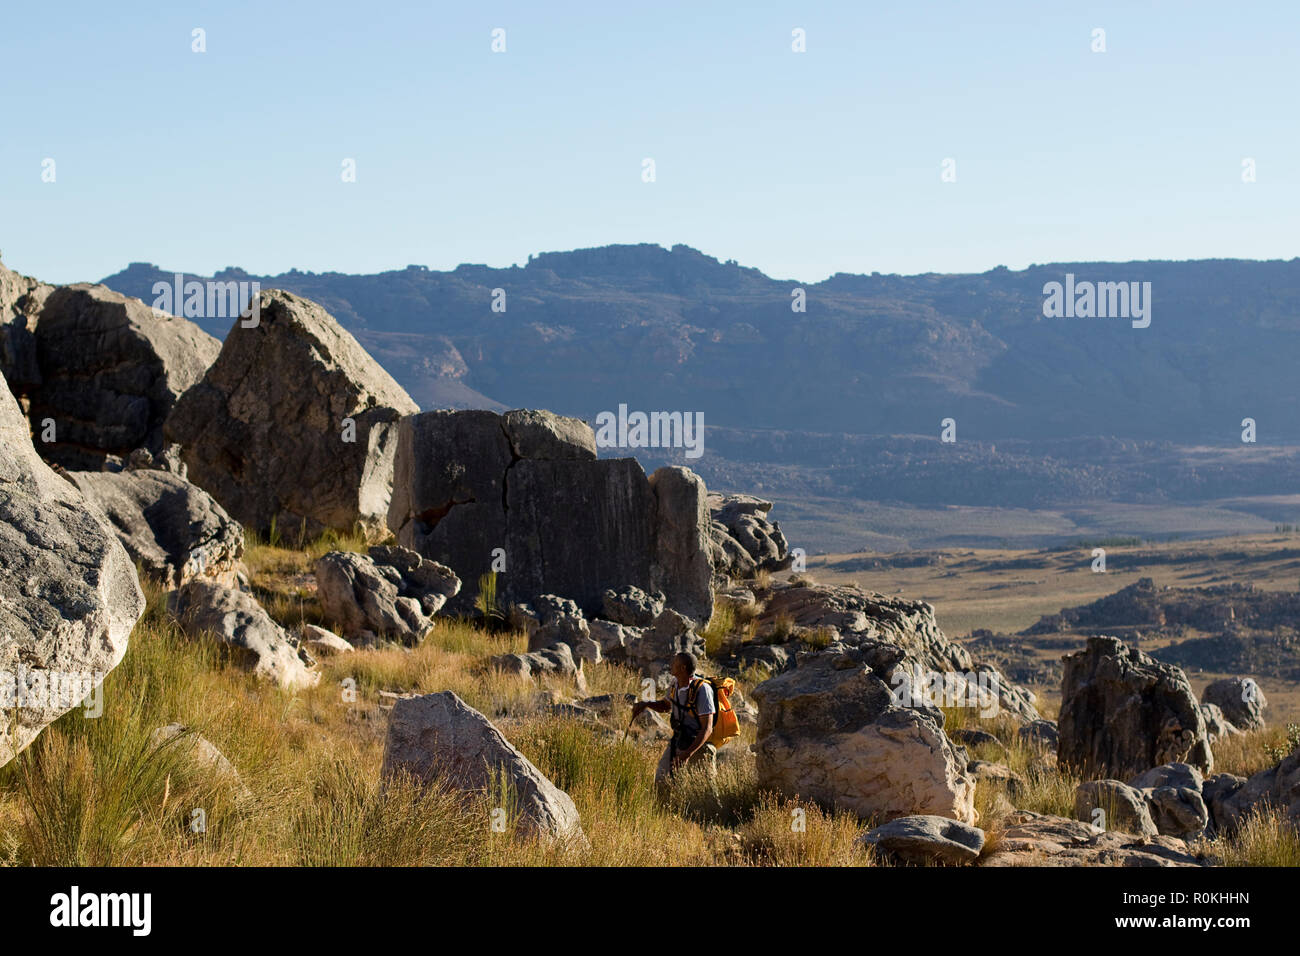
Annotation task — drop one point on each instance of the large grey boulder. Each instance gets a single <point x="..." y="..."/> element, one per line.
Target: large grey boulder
<point x="438" y="739"/>
<point x="111" y="371"/>
<point x="1123" y="712"/>
<point x="832" y="730"/>
<point x="390" y="592"/>
<point x="927" y="839"/>
<point x="236" y="619"/>
<point x="652" y="649"/>
<point x="69" y="596"/>
<point x="523" y="496"/>
<point x="1241" y="700"/>
<point x="294" y="424"/>
<point x="172" y="529"/>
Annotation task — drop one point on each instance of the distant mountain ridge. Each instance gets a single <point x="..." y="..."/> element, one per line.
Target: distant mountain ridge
<point x="882" y="354"/>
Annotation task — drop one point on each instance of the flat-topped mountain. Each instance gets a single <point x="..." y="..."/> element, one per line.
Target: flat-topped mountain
<point x="659" y="328"/>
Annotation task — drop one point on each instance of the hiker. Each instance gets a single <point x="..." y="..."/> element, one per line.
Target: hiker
<point x="693" y="707"/>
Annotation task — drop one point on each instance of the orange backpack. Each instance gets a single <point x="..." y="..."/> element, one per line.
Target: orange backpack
<point x="726" y="725"/>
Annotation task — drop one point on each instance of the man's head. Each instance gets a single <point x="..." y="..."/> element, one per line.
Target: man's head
<point x="682" y="667"/>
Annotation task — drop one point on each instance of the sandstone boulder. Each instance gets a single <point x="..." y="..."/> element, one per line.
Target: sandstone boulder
<point x="439" y="739"/>
<point x="69" y="596"/>
<point x="236" y="619"/>
<point x="391" y="592"/>
<point x="831" y="730"/>
<point x="172" y="529"/>
<point x="1123" y="712"/>
<point x="294" y="424"/>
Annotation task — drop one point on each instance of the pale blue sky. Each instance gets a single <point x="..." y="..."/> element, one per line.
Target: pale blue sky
<point x="801" y="165"/>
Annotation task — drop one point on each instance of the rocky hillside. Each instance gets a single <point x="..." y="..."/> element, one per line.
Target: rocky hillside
<point x="878" y="354"/>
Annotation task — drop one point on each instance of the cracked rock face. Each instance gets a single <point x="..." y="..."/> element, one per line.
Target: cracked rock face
<point x="473" y="489"/>
<point x="69" y="596"/>
<point x="294" y="424"/>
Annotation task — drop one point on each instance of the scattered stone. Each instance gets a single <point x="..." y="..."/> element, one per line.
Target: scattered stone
<point x="927" y="839"/>
<point x="1123" y="712"/>
<point x="670" y="634"/>
<point x="236" y="619"/>
<point x="438" y="739"/>
<point x="561" y="622"/>
<point x="391" y="592"/>
<point x="1040" y="839"/>
<point x="973" y="737"/>
<point x="742" y="540"/>
<point x="322" y="643"/>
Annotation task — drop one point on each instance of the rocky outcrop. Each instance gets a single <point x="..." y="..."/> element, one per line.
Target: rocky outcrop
<point x="1231" y="798"/>
<point x="848" y="614"/>
<point x="294" y="424"/>
<point x="235" y="619"/>
<point x="1216" y="725"/>
<point x="523" y="491"/>
<point x="69" y="596"/>
<point x="173" y="530"/>
<point x="743" y="541"/>
<point x="110" y="371"/>
<point x="438" y="739"/>
<point x="390" y="592"/>
<point x="927" y="839"/>
<point x="1040" y="839"/>
<point x="1123" y="713"/>
<point x="556" y="660"/>
<point x="831" y="730"/>
<point x="1241" y="700"/>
